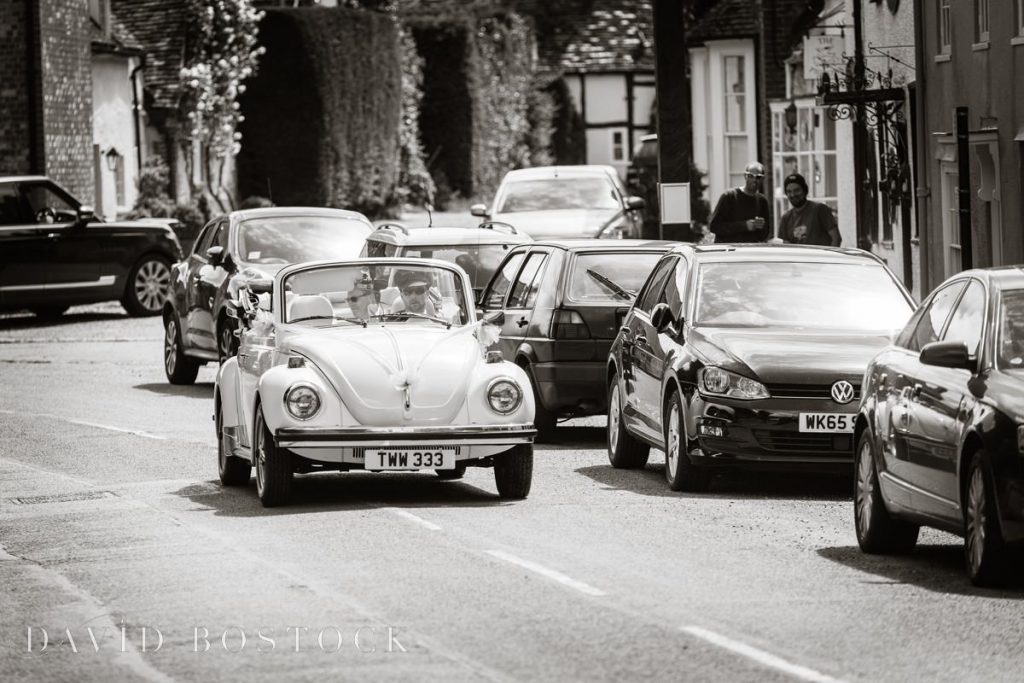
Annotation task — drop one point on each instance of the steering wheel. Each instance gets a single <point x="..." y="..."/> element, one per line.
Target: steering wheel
<point x="46" y="215"/>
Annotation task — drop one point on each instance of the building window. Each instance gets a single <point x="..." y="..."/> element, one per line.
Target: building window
<point x="945" y="28"/>
<point x="99" y="12"/>
<point x="808" y="148"/>
<point x="736" y="139"/>
<point x="981" y="21"/>
<point x="619" y="145"/>
<point x="1020" y="17"/>
<point x="951" y="218"/>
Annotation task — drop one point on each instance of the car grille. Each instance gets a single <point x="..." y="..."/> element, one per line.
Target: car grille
<point x="798" y="442"/>
<point x="807" y="391"/>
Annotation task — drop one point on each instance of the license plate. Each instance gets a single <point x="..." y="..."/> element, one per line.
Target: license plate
<point x="831" y="423"/>
<point x="419" y="458"/>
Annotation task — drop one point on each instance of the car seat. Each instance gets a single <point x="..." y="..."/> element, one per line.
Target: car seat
<point x="310" y="306"/>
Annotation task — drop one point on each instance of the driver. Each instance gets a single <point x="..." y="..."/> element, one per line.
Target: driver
<point x="363" y="299"/>
<point x="414" y="288"/>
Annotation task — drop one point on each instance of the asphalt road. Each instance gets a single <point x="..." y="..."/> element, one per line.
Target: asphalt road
<point x="113" y="527"/>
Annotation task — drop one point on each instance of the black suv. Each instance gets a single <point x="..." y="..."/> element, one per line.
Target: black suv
<point x="55" y="253"/>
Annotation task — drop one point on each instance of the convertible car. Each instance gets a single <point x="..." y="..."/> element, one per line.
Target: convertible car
<point x="369" y="364"/>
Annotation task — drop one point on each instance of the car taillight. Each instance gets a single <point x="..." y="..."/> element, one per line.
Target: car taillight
<point x="567" y="324"/>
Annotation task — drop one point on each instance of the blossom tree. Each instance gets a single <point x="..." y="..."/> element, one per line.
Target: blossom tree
<point x="222" y="52"/>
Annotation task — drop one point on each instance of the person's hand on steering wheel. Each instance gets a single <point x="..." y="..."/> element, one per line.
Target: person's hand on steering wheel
<point x="46" y="215"/>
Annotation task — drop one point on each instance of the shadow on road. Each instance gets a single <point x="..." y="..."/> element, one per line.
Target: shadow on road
<point x="345" y="492"/>
<point x="571" y="437"/>
<point x="203" y="390"/>
<point x="28" y="321"/>
<point x="937" y="568"/>
<point x="650" y="481"/>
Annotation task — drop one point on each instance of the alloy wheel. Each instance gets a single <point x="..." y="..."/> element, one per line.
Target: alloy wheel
<point x="865" y="489"/>
<point x="152" y="283"/>
<point x="261" y="459"/>
<point x="171" y="347"/>
<point x="672" y="447"/>
<point x="976" y="519"/>
<point x="613" y="419"/>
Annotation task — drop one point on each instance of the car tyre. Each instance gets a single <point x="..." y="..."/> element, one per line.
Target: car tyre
<point x="543" y="419"/>
<point x="680" y="473"/>
<point x="179" y="368"/>
<point x="227" y="341"/>
<point x="513" y="472"/>
<point x="233" y="471"/>
<point x="624" y="451"/>
<point x="450" y="475"/>
<point x="878" y="532"/>
<point x="987" y="557"/>
<point x="53" y="312"/>
<point x="149" y="284"/>
<point x="274" y="471"/>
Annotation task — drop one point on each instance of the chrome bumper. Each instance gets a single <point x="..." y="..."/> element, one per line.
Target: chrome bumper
<point x="383" y="437"/>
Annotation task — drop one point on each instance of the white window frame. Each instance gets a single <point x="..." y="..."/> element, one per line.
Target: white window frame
<point x="949" y="191"/>
<point x="982" y="21"/>
<point x="815" y="151"/>
<point x="945" y="27"/>
<point x="1020" y="18"/>
<point x="622" y="145"/>
<point x="718" y="161"/>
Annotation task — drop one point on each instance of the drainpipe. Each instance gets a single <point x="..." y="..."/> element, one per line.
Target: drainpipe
<point x="922" y="191"/>
<point x="34" y="101"/>
<point x="135" y="112"/>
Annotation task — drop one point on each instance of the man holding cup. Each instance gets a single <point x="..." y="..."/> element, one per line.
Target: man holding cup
<point x="741" y="214"/>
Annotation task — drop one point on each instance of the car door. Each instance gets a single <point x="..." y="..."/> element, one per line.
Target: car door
<point x="77" y="260"/>
<point x="204" y="280"/>
<point x="497" y="290"/>
<point x="651" y="348"/>
<point x="24" y="251"/>
<point x="521" y="300"/>
<point x="910" y="457"/>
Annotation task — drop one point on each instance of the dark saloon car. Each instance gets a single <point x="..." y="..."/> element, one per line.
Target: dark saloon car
<point x="564" y="300"/>
<point x="748" y="355"/>
<point x="237" y="249"/>
<point x="940" y="432"/>
<point x="55" y="253"/>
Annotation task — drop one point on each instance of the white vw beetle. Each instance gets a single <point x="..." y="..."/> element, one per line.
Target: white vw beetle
<point x="375" y="364"/>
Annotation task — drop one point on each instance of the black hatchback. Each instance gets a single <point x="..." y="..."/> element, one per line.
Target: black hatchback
<point x="748" y="356"/>
<point x="564" y="301"/>
<point x="940" y="431"/>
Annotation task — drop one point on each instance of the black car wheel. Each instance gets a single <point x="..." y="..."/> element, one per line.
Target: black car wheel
<point x="543" y="419"/>
<point x="680" y="473"/>
<point x="878" y="532"/>
<point x="179" y="368"/>
<point x="149" y="283"/>
<point x="624" y="452"/>
<point x="227" y="341"/>
<point x="451" y="475"/>
<point x="513" y="472"/>
<point x="53" y="312"/>
<point x="233" y="471"/>
<point x="986" y="555"/>
<point x="274" y="472"/>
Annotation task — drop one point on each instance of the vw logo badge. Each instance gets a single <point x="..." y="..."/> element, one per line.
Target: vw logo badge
<point x="842" y="391"/>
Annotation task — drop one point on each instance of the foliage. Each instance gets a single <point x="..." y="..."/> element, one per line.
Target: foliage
<point x="568" y="143"/>
<point x="541" y="114"/>
<point x="152" y="198"/>
<point x="415" y="186"/>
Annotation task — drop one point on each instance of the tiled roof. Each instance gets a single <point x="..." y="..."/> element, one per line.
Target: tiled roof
<point x="727" y="19"/>
<point x="119" y="40"/>
<point x="159" y="26"/>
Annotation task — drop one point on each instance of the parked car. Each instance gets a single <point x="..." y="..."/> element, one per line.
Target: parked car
<point x="750" y="356"/>
<point x="231" y="251"/>
<point x="565" y="201"/>
<point x="478" y="250"/>
<point x="939" y="433"/>
<point x="55" y="253"/>
<point x="322" y="382"/>
<point x="564" y="301"/>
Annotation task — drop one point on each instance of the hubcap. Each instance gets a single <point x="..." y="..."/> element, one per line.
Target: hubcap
<point x="976" y="519"/>
<point x="672" y="447"/>
<point x="171" y="347"/>
<point x="865" y="489"/>
<point x="151" y="285"/>
<point x="613" y="420"/>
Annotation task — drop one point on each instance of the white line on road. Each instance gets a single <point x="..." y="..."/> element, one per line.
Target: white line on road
<point x="86" y="423"/>
<point x="561" y="578"/>
<point x="759" y="656"/>
<point x="414" y="518"/>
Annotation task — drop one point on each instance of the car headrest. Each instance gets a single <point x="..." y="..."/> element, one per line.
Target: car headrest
<point x="310" y="306"/>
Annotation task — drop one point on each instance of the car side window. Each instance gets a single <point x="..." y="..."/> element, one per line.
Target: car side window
<point x="968" y="320"/>
<point x="502" y="280"/>
<point x="655" y="284"/>
<point x="220" y="238"/>
<point x="47" y="205"/>
<point x="671" y="294"/>
<point x="376" y="249"/>
<point x="527" y="286"/>
<point x="204" y="239"/>
<point x="930" y="324"/>
<point x="12" y="209"/>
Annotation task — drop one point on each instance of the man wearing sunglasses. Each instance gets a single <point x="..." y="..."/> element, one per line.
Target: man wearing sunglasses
<point x="741" y="214"/>
<point x="416" y="297"/>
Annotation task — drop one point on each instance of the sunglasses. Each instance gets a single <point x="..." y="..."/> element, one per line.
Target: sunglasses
<point x="418" y="290"/>
<point x="755" y="175"/>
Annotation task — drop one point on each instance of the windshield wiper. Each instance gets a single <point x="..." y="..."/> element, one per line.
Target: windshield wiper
<point x="312" y="317"/>
<point x="611" y="284"/>
<point x="410" y="314"/>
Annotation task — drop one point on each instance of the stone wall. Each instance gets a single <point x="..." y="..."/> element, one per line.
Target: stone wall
<point x="16" y="84"/>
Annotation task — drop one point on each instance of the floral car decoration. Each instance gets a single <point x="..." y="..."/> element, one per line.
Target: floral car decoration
<point x="369" y="364"/>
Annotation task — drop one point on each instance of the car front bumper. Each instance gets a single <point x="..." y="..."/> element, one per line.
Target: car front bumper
<point x="385" y="437"/>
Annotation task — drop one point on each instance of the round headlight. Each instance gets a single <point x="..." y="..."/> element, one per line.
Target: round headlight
<point x="504" y="396"/>
<point x="302" y="401"/>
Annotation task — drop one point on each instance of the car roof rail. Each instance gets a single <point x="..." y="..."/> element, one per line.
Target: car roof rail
<point x="493" y="225"/>
<point x="393" y="226"/>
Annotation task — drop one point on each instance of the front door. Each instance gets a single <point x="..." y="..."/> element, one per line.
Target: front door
<point x="647" y="355"/>
<point x="497" y="291"/>
<point x="201" y="288"/>
<point x="520" y="302"/>
<point x="24" y="252"/>
<point x="74" y="260"/>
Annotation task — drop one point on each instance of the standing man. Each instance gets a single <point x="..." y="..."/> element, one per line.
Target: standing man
<point x="741" y="214"/>
<point x="808" y="222"/>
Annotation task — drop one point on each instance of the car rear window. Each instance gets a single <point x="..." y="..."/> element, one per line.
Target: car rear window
<point x="294" y="239"/>
<point x="549" y="194"/>
<point x="609" y="276"/>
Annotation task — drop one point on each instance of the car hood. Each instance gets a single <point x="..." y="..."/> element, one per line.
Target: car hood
<point x="378" y="369"/>
<point x="788" y="357"/>
<point x="560" y="222"/>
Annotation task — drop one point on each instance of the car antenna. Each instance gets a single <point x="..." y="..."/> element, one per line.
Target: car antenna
<point x="270" y="192"/>
<point x="430" y="216"/>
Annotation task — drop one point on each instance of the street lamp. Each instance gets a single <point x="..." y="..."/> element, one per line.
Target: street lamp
<point x="791" y="117"/>
<point x="112" y="157"/>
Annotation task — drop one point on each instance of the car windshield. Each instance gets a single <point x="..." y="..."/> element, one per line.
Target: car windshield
<point x="800" y="295"/>
<point x="478" y="260"/>
<point x="548" y="194"/>
<point x="1011" y="330"/>
<point x="610" y="276"/>
<point x="294" y="239"/>
<point x="355" y="293"/>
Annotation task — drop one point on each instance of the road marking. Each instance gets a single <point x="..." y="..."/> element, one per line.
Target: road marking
<point x="759" y="656"/>
<point x="86" y="423"/>
<point x="557" y="576"/>
<point x="414" y="518"/>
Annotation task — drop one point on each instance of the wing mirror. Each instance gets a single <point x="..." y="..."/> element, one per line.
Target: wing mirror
<point x="635" y="203"/>
<point x="948" y="355"/>
<point x="495" y="318"/>
<point x="478" y="210"/>
<point x="84" y="214"/>
<point x="662" y="318"/>
<point x="262" y="286"/>
<point x="219" y="257"/>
